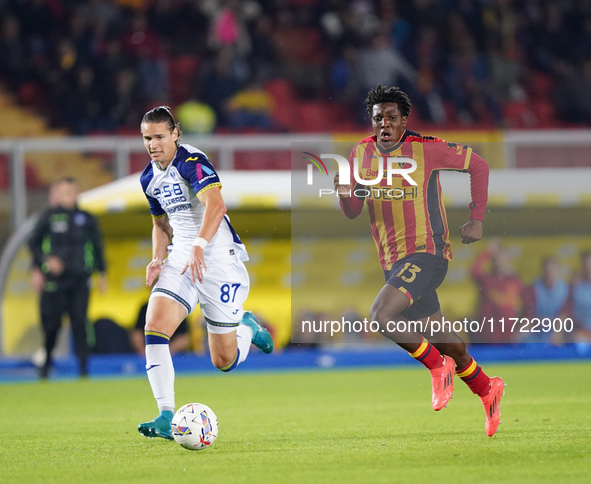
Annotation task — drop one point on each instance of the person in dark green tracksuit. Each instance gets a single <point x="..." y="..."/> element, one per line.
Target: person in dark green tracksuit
<point x="66" y="246"/>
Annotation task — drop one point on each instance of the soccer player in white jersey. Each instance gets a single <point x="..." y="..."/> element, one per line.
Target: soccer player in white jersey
<point x="204" y="263"/>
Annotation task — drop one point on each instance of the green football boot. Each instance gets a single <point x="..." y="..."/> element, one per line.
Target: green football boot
<point x="260" y="336"/>
<point x="159" y="427"/>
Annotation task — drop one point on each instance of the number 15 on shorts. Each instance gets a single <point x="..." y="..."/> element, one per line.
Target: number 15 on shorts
<point x="229" y="292"/>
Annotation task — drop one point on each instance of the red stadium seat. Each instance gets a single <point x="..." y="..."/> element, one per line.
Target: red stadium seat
<point x="4" y="171"/>
<point x="280" y="89"/>
<point x="137" y="162"/>
<point x="29" y="94"/>
<point x="545" y="113"/>
<point x="262" y="160"/>
<point x="540" y="86"/>
<point x="31" y="177"/>
<point x="284" y="114"/>
<point x="518" y="114"/>
<point x="182" y="76"/>
<point x="313" y="117"/>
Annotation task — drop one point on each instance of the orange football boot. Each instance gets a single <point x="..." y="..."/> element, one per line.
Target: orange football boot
<point x="491" y="404"/>
<point x="442" y="380"/>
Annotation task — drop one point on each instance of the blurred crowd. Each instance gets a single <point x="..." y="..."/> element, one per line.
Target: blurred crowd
<point x="97" y="65"/>
<point x="503" y="294"/>
<point x="554" y="308"/>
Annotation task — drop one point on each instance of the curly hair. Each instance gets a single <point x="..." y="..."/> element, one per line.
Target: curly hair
<point x="385" y="94"/>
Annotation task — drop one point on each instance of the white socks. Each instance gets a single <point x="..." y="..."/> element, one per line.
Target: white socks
<point x="161" y="375"/>
<point x="243" y="339"/>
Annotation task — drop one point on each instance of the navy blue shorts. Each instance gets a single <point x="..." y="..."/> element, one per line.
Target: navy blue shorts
<point x="418" y="276"/>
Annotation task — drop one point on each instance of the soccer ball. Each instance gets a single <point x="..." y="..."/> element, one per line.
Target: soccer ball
<point x="195" y="426"/>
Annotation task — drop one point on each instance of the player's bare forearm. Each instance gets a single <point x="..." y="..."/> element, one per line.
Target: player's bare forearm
<point x="215" y="209"/>
<point x="471" y="231"/>
<point x="161" y="236"/>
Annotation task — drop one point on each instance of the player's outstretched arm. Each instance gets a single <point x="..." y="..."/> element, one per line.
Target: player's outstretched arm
<point x="478" y="170"/>
<point x="215" y="209"/>
<point x="161" y="235"/>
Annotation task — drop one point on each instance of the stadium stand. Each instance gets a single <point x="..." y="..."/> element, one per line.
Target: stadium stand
<point x="94" y="67"/>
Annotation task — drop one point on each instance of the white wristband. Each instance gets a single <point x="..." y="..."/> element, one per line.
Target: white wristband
<point x="200" y="242"/>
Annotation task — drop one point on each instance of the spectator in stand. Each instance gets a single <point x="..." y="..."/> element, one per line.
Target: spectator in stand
<point x="428" y="55"/>
<point x="301" y="53"/>
<point x="111" y="62"/>
<point x="549" y="298"/>
<point x="581" y="300"/>
<point x="344" y="77"/>
<point x="573" y="93"/>
<point x="14" y="56"/>
<point x="221" y="83"/>
<point x="83" y="108"/>
<point x="143" y="45"/>
<point x="250" y="107"/>
<point x="37" y="18"/>
<point x="549" y="42"/>
<point x="228" y="24"/>
<point x="468" y="82"/>
<point x="506" y="73"/>
<point x="501" y="292"/>
<point x="196" y="117"/>
<point x="263" y="59"/>
<point x="43" y="43"/>
<point x="399" y="28"/>
<point x="380" y="63"/>
<point x="127" y="102"/>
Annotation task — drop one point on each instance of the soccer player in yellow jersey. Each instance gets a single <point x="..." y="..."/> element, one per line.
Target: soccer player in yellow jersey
<point x="410" y="229"/>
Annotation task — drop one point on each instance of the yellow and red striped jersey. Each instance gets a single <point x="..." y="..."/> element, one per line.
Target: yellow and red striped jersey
<point x="408" y="218"/>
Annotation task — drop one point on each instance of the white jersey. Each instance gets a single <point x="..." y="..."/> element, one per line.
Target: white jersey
<point x="175" y="191"/>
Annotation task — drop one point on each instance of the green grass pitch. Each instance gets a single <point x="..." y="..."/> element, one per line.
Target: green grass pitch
<point x="371" y="425"/>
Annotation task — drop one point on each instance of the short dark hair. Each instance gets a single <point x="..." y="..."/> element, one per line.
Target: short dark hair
<point x="162" y="114"/>
<point x="385" y="94"/>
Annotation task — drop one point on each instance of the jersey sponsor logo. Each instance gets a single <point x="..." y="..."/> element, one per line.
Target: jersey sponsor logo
<point x="202" y="168"/>
<point x="180" y="208"/>
<point x="194" y="158"/>
<point x="206" y="178"/>
<point x="165" y="203"/>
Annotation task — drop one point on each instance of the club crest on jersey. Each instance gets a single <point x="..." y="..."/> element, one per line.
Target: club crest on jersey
<point x="401" y="164"/>
<point x="79" y="219"/>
